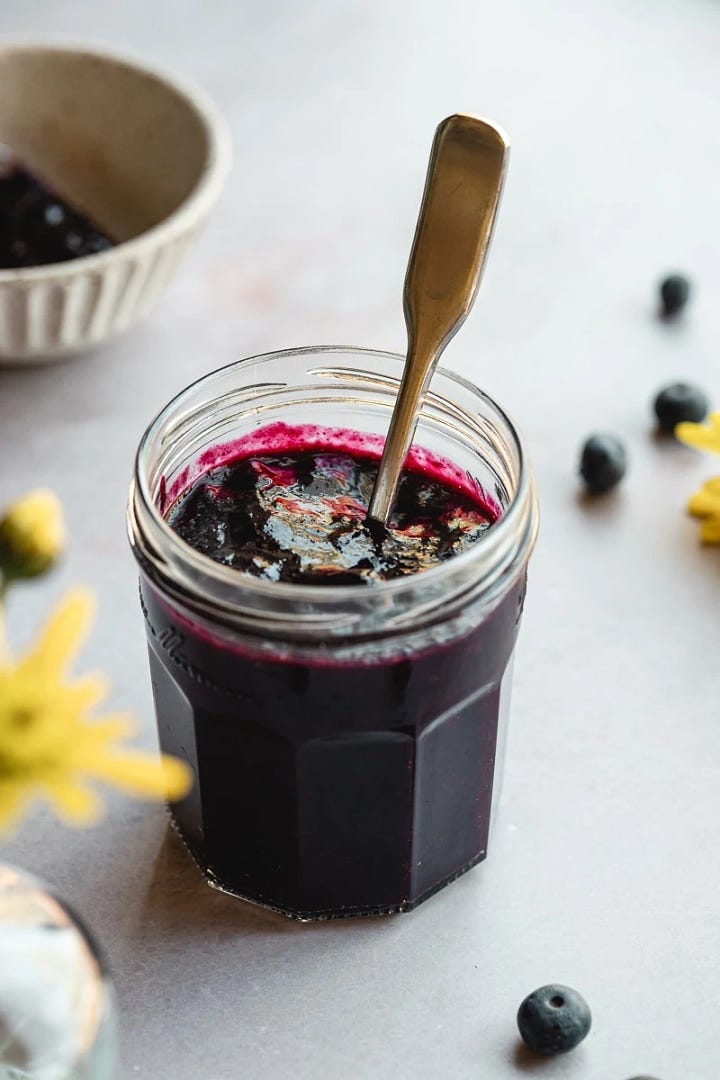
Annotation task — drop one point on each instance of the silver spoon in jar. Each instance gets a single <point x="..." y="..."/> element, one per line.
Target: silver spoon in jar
<point x="462" y="190"/>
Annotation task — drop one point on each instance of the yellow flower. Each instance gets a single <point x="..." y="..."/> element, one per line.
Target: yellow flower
<point x="705" y="503"/>
<point x="701" y="436"/>
<point x="51" y="746"/>
<point x="32" y="535"/>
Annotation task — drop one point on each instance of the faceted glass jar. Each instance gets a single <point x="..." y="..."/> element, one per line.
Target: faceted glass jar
<point x="344" y="739"/>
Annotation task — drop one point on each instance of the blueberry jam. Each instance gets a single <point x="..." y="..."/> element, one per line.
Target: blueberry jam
<point x="301" y="517"/>
<point x="37" y="227"/>
<point x="332" y="779"/>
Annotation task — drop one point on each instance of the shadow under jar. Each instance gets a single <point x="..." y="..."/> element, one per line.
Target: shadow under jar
<point x="344" y="739"/>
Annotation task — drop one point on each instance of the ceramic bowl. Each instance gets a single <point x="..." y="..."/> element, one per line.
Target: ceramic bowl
<point x="139" y="153"/>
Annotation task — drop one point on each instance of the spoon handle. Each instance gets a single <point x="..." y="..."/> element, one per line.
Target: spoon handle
<point x="462" y="191"/>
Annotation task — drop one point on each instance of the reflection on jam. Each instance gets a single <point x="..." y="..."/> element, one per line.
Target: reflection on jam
<point x="300" y="516"/>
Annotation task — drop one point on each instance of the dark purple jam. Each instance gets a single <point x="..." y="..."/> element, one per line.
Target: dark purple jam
<point x="330" y="785"/>
<point x="301" y="517"/>
<point x="38" y="227"/>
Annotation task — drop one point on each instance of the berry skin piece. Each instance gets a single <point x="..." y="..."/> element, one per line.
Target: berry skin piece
<point x="674" y="294"/>
<point x="553" y="1019"/>
<point x="603" y="463"/>
<point x="678" y="403"/>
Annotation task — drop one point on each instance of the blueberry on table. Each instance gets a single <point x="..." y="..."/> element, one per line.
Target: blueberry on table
<point x="674" y="294"/>
<point x="678" y="402"/>
<point x="603" y="463"/>
<point x="553" y="1019"/>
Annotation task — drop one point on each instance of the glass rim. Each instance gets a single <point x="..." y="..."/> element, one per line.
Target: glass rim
<point x="327" y="595"/>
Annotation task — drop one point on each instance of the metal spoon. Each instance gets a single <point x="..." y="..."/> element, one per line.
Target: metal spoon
<point x="462" y="191"/>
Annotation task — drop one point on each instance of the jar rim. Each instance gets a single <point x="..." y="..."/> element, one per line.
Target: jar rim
<point x="329" y="596"/>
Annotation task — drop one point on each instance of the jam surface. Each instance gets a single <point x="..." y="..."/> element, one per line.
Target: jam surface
<point x="300" y="516"/>
<point x="38" y="227"/>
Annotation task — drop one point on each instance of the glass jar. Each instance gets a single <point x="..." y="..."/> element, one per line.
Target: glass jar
<point x="57" y="1005"/>
<point x="344" y="739"/>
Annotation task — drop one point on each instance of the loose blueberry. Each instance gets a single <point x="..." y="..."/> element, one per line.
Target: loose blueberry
<point x="553" y="1019"/>
<point x="603" y="463"/>
<point x="679" y="402"/>
<point x="674" y="294"/>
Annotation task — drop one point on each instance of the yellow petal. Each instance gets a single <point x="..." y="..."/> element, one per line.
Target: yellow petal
<point x="710" y="530"/>
<point x="706" y="500"/>
<point x="179" y="778"/>
<point x="712" y="486"/>
<point x="60" y="639"/>
<point x="73" y="801"/>
<point x="145" y="774"/>
<point x="84" y="694"/>
<point x="94" y="739"/>
<point x="700" y="436"/>
<point x="14" y="797"/>
<point x="702" y="504"/>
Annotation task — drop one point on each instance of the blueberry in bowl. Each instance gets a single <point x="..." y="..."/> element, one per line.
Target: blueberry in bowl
<point x="38" y="226"/>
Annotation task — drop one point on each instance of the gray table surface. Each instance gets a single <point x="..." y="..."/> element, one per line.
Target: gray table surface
<point x="603" y="871"/>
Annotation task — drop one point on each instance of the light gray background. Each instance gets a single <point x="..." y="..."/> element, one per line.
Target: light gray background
<point x="603" y="870"/>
